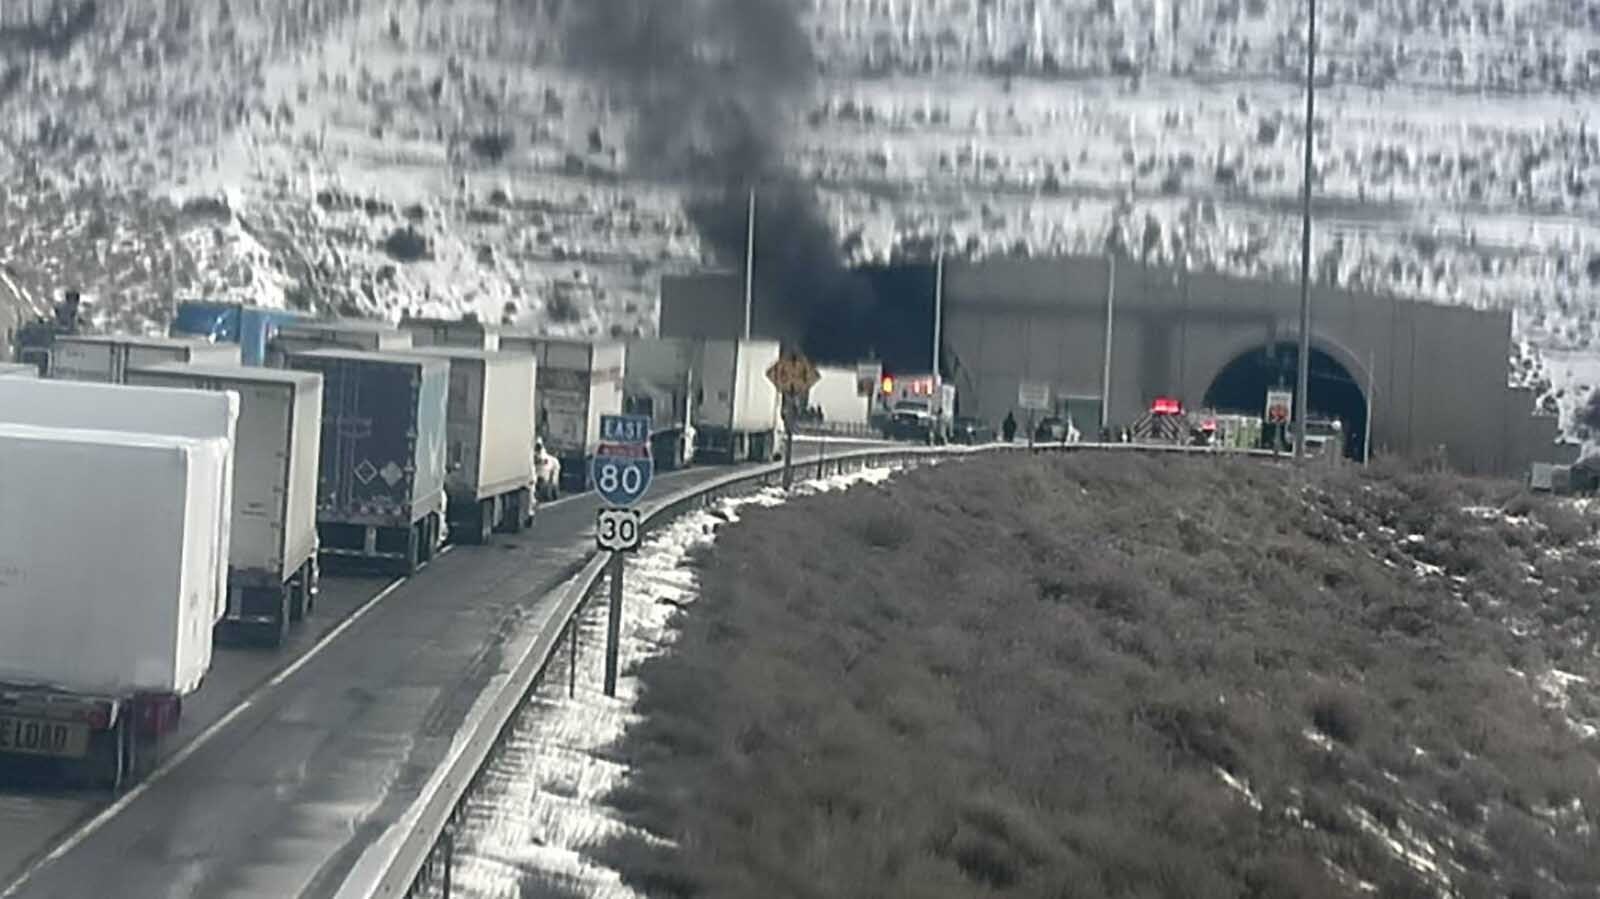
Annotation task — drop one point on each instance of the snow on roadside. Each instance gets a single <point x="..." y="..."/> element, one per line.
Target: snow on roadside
<point x="540" y="807"/>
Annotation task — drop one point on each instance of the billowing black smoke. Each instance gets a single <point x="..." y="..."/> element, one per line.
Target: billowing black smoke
<point x="714" y="86"/>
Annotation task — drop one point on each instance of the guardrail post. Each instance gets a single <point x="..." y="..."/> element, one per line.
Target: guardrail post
<point x="572" y="658"/>
<point x="614" y="623"/>
<point x="449" y="861"/>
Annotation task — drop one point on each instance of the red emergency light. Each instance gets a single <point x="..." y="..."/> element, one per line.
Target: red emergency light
<point x="1166" y="405"/>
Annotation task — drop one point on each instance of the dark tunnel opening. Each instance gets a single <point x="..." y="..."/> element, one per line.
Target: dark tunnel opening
<point x="1241" y="387"/>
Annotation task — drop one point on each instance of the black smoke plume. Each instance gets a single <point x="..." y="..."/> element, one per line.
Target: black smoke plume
<point x="714" y="87"/>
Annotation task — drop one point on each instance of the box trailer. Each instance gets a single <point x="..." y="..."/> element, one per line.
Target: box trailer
<point x="838" y="398"/>
<point x="106" y="582"/>
<point x="107" y="358"/>
<point x="273" y="575"/>
<point x="321" y="334"/>
<point x="660" y="382"/>
<point x="147" y="410"/>
<point x="738" y="417"/>
<point x="579" y="381"/>
<point x="251" y="327"/>
<point x="466" y="332"/>
<point x="488" y="457"/>
<point x="381" y="461"/>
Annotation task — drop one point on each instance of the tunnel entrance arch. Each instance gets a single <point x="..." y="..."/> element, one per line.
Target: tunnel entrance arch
<point x="1241" y="387"/>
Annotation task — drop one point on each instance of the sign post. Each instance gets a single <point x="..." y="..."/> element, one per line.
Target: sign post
<point x="622" y="471"/>
<point x="794" y="376"/>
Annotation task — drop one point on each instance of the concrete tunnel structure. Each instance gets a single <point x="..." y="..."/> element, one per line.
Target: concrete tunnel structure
<point x="1430" y="375"/>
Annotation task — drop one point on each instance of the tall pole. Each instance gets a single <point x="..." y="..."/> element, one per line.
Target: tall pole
<point x="938" y="308"/>
<point x="1372" y="395"/>
<point x="1303" y="389"/>
<point x="1111" y="306"/>
<point x="614" y="623"/>
<point x="749" y="263"/>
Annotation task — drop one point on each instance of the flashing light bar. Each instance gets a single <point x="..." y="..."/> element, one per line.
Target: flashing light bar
<point x="1166" y="405"/>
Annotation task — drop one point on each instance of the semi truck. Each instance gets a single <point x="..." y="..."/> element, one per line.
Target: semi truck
<point x="273" y="576"/>
<point x="489" y="469"/>
<point x="464" y="332"/>
<point x="919" y="407"/>
<point x="738" y="417"/>
<point x="318" y="334"/>
<point x="113" y="407"/>
<point x="251" y="327"/>
<point x="107" y="358"/>
<point x="381" y="459"/>
<point x="579" y="381"/>
<point x="107" y="587"/>
<point x="662" y="382"/>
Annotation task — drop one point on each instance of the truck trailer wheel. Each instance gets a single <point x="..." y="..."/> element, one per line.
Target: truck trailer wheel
<point x="411" y="562"/>
<point x="486" y="519"/>
<point x="275" y="633"/>
<point x="299" y="595"/>
<point x="517" y="513"/>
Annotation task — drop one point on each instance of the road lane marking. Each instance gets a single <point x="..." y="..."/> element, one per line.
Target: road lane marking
<point x="93" y="825"/>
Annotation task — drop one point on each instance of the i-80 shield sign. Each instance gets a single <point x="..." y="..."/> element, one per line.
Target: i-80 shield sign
<point x="622" y="467"/>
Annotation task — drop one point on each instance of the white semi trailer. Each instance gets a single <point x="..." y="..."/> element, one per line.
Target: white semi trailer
<point x="273" y="576"/>
<point x="142" y="410"/>
<point x="327" y="334"/>
<point x="489" y="429"/>
<point x="108" y="578"/>
<point x="108" y="358"/>
<point x="738" y="417"/>
<point x="578" y="381"/>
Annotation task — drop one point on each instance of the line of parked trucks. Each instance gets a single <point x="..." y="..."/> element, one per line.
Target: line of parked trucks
<point x="159" y="495"/>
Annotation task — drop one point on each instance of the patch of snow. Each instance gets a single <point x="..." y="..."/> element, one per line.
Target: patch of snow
<point x="1556" y="686"/>
<point x="1318" y="739"/>
<point x="541" y="809"/>
<point x="1238" y="786"/>
<point x="1406" y="845"/>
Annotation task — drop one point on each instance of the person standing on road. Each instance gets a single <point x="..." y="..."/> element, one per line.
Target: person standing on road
<point x="1008" y="428"/>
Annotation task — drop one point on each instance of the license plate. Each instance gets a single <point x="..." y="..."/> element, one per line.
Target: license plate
<point x="36" y="736"/>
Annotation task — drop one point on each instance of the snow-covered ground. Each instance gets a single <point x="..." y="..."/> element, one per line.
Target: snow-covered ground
<point x="374" y="154"/>
<point x="541" y="807"/>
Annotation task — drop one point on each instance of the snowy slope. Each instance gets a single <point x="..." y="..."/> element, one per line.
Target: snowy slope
<point x="373" y="155"/>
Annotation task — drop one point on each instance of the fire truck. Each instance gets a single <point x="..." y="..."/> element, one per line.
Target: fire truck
<point x="918" y="407"/>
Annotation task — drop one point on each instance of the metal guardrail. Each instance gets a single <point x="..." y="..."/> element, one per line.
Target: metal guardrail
<point x="426" y="855"/>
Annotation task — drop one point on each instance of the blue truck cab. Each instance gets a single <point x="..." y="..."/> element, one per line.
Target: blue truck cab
<point x="252" y="327"/>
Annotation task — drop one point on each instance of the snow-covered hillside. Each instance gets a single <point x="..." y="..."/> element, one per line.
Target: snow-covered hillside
<point x="433" y="153"/>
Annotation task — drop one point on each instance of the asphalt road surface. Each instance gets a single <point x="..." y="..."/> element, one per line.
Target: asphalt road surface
<point x="291" y="763"/>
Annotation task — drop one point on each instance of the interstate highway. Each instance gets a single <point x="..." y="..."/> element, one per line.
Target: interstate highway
<point x="290" y="764"/>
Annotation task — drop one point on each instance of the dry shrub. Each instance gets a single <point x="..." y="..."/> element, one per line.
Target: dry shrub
<point x="1021" y="677"/>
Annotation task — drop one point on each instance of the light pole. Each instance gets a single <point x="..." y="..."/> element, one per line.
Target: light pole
<point x="1303" y="399"/>
<point x="749" y="263"/>
<point x="938" y="311"/>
